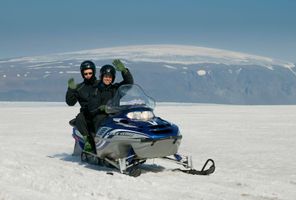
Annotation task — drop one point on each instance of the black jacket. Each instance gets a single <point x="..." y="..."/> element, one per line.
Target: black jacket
<point x="104" y="93"/>
<point x="82" y="94"/>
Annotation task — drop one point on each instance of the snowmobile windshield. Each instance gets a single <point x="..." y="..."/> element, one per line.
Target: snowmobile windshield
<point x="128" y="96"/>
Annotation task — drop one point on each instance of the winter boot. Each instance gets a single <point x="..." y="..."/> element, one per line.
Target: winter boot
<point x="87" y="145"/>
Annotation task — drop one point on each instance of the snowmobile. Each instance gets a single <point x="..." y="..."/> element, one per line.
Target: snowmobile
<point x="131" y="134"/>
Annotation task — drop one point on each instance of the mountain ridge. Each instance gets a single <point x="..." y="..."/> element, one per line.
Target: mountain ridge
<point x="178" y="54"/>
<point x="170" y="73"/>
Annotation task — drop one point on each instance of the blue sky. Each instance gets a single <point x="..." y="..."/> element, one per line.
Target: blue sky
<point x="38" y="27"/>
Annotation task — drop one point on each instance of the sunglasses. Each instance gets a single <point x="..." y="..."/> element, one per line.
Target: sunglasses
<point x="90" y="73"/>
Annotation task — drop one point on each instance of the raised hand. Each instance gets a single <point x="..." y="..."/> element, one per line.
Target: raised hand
<point x="71" y="84"/>
<point x="119" y="65"/>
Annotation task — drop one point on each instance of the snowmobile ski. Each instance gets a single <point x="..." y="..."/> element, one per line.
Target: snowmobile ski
<point x="203" y="171"/>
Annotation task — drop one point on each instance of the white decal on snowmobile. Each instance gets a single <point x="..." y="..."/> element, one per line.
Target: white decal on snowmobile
<point x="102" y="131"/>
<point x="152" y="122"/>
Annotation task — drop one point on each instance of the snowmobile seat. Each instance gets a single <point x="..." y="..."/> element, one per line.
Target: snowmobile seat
<point x="72" y="122"/>
<point x="90" y="126"/>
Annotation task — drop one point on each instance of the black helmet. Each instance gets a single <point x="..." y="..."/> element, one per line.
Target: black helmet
<point x="107" y="70"/>
<point x="87" y="64"/>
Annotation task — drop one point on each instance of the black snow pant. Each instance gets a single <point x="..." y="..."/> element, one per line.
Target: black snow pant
<point x="86" y="127"/>
<point x="89" y="126"/>
<point x="98" y="120"/>
<point x="83" y="124"/>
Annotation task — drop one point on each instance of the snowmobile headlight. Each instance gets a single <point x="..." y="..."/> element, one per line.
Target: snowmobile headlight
<point x="142" y="116"/>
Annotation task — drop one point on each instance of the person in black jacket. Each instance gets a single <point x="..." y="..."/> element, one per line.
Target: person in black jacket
<point x="107" y="89"/>
<point x="81" y="93"/>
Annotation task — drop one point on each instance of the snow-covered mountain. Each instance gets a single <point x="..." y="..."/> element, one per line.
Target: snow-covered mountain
<point x="167" y="72"/>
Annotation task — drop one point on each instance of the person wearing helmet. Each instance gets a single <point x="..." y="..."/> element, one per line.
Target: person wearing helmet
<point x="107" y="89"/>
<point x="81" y="93"/>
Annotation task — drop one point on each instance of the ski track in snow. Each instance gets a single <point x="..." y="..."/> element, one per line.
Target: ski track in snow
<point x="253" y="147"/>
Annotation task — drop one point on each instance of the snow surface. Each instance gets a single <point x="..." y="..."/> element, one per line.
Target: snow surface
<point x="253" y="146"/>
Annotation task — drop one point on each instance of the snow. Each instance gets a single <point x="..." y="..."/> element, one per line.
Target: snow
<point x="201" y="72"/>
<point x="73" y="72"/>
<point x="170" y="54"/>
<point x="170" y="66"/>
<point x="253" y="146"/>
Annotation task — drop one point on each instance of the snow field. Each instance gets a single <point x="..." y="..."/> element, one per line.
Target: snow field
<point x="253" y="147"/>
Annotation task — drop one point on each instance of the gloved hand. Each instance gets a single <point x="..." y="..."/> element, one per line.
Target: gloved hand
<point x="102" y="108"/>
<point x="119" y="65"/>
<point x="71" y="84"/>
